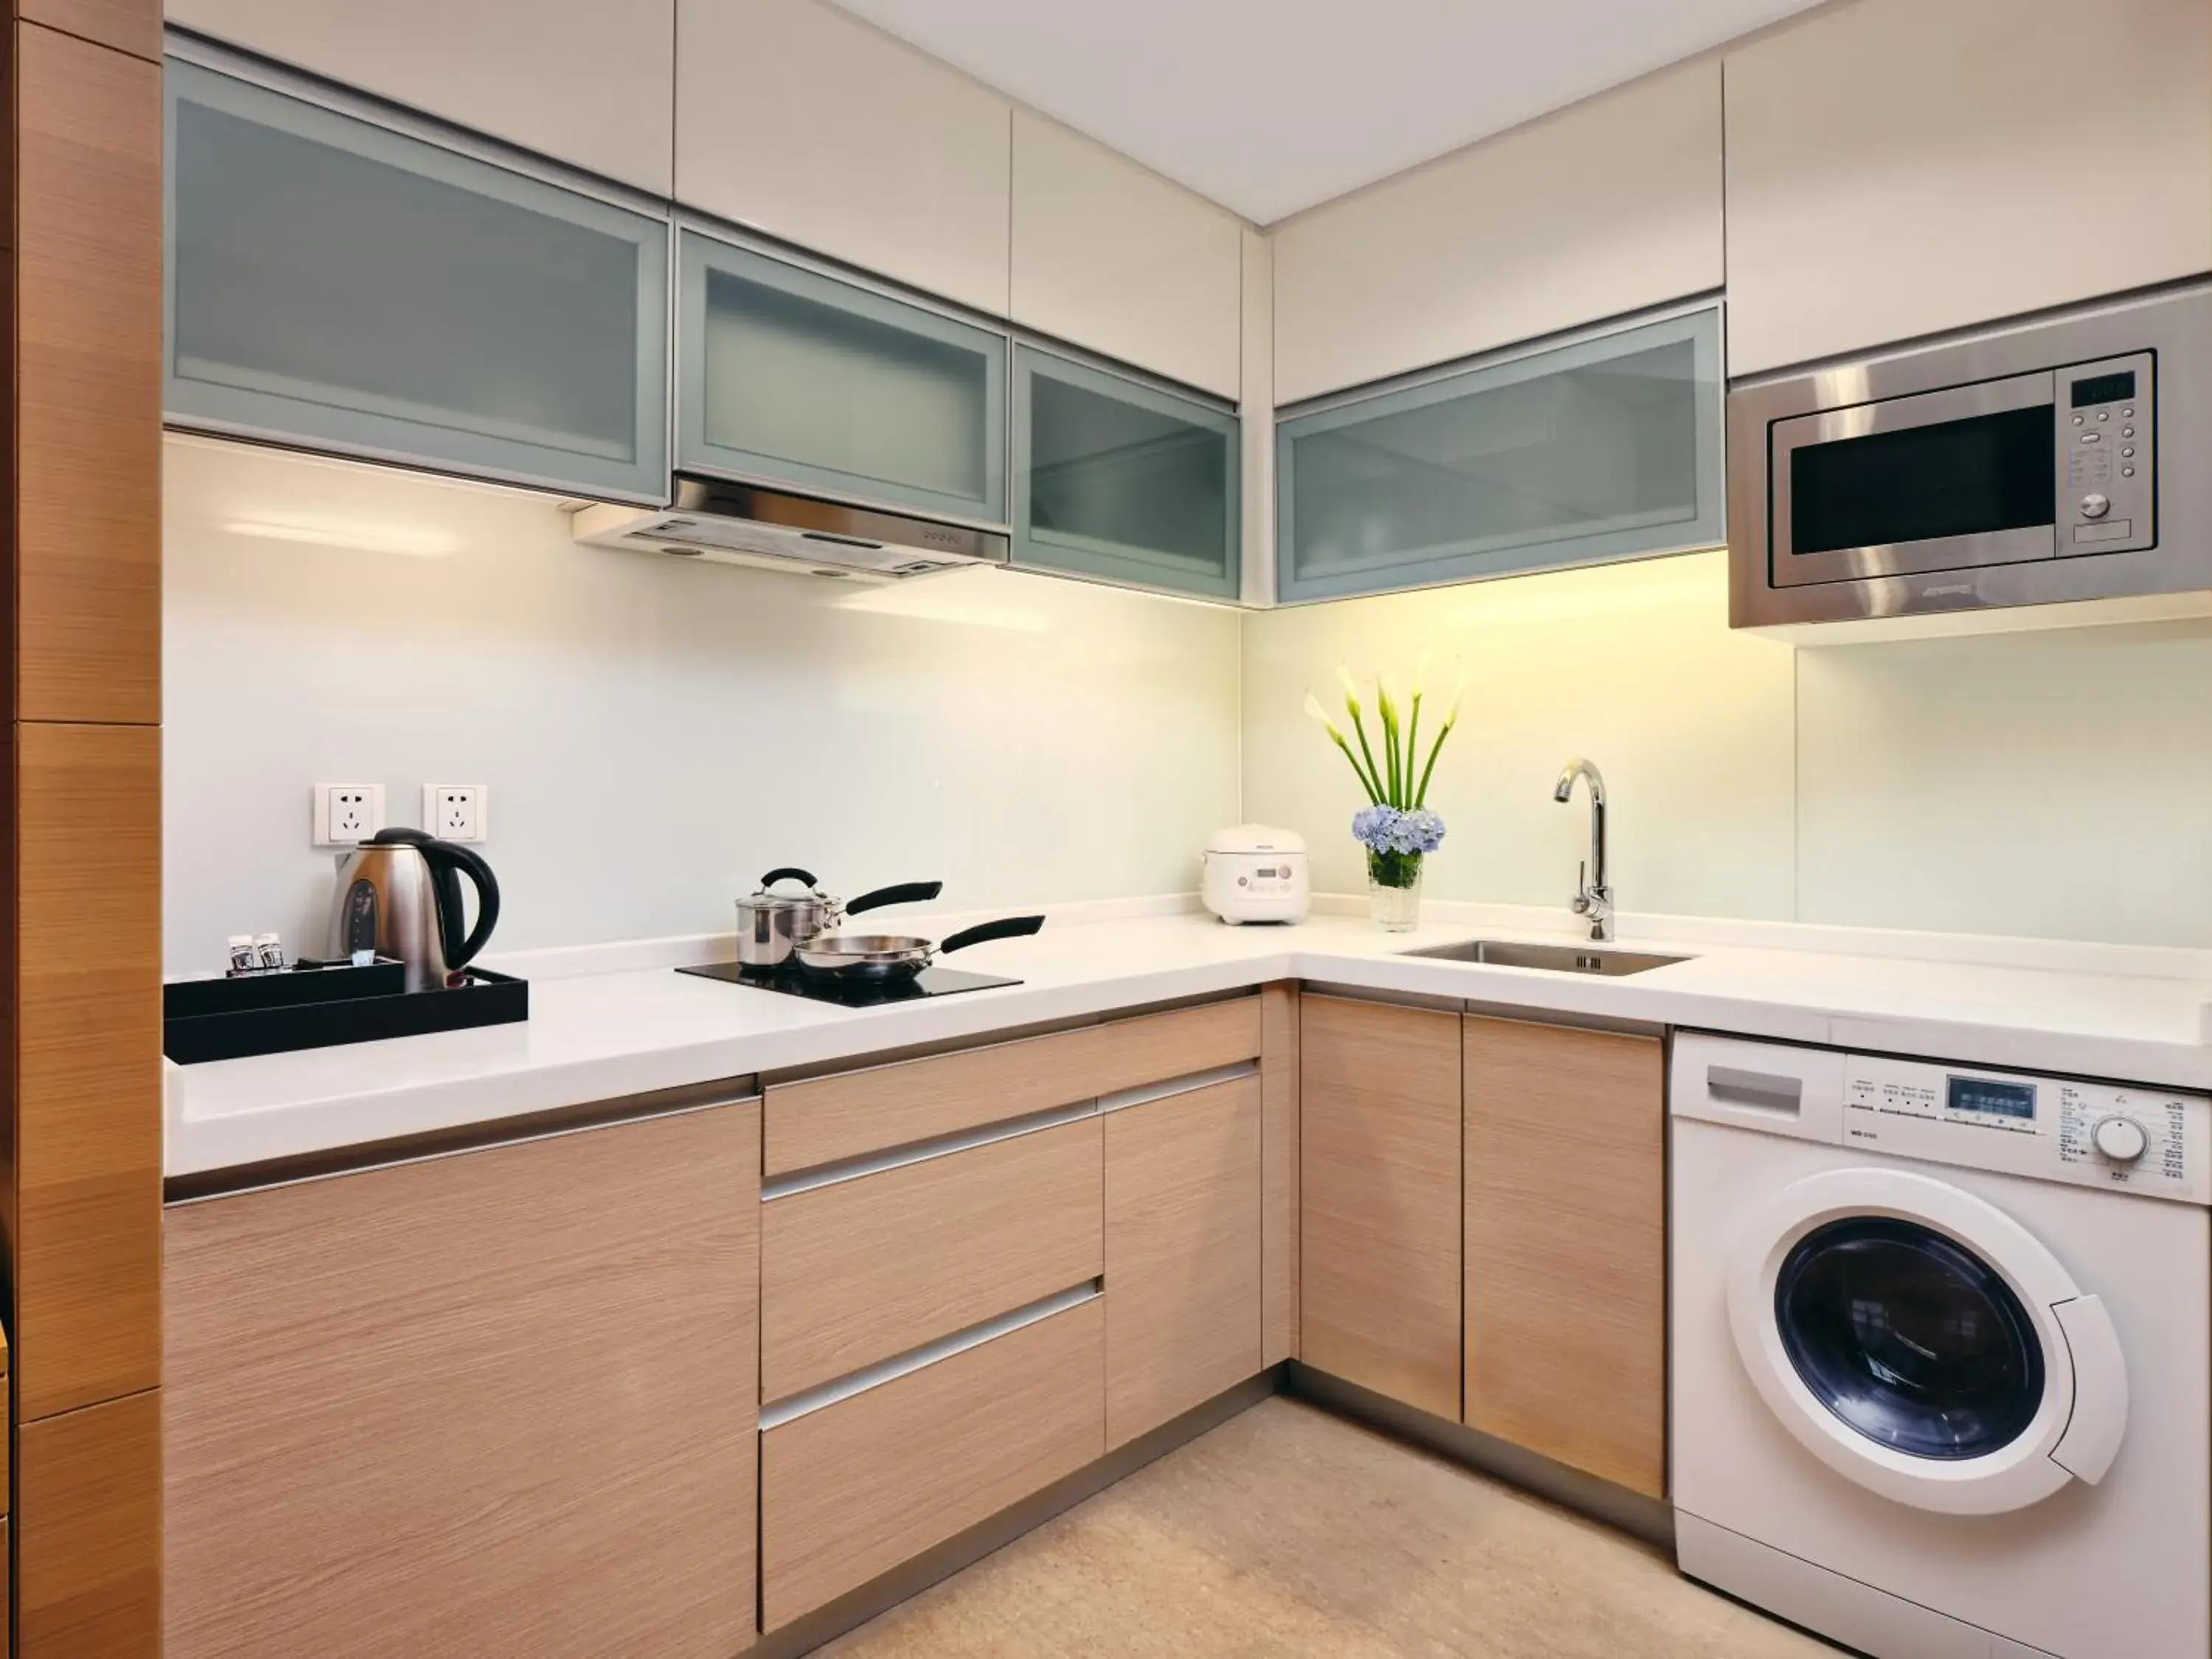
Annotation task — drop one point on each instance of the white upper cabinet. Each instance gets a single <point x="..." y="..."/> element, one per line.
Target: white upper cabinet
<point x="1110" y="256"/>
<point x="1898" y="168"/>
<point x="590" y="82"/>
<point x="1606" y="207"/>
<point x="799" y="121"/>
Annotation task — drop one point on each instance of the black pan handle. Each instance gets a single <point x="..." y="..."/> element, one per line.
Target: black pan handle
<point x="789" y="873"/>
<point x="907" y="892"/>
<point x="984" y="931"/>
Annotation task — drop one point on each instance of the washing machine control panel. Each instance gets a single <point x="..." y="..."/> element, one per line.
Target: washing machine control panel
<point x="2157" y="1142"/>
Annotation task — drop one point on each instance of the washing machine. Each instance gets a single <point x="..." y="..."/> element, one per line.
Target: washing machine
<point x="1941" y="1352"/>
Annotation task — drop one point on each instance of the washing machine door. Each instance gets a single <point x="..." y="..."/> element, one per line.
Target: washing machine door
<point x="1920" y="1340"/>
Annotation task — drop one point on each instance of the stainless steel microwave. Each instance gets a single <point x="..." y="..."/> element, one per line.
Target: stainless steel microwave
<point x="2059" y="459"/>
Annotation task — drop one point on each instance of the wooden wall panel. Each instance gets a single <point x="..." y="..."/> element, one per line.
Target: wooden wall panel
<point x="88" y="1080"/>
<point x="126" y="26"/>
<point x="1279" y="1173"/>
<point x="88" y="382"/>
<point x="87" y="1526"/>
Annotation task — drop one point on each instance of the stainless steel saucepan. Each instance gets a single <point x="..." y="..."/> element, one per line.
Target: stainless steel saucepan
<point x="771" y="923"/>
<point x="881" y="957"/>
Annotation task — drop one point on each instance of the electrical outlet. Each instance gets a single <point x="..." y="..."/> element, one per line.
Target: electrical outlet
<point x="347" y="813"/>
<point x="457" y="811"/>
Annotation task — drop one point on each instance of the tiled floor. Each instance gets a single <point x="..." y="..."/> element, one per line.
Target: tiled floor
<point x="1290" y="1531"/>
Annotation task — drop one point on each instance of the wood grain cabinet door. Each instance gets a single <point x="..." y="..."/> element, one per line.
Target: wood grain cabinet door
<point x="1379" y="1214"/>
<point x="1566" y="1250"/>
<point x="497" y="1405"/>
<point x="1183" y="1254"/>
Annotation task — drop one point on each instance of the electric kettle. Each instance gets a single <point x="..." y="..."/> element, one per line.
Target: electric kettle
<point x="400" y="895"/>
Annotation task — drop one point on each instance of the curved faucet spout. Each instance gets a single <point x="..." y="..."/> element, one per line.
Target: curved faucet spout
<point x="1580" y="769"/>
<point x="1593" y="894"/>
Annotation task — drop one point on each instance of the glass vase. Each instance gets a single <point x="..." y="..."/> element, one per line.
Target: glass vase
<point x="1393" y="890"/>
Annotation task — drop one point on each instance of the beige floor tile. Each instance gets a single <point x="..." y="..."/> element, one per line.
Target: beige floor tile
<point x="1290" y="1531"/>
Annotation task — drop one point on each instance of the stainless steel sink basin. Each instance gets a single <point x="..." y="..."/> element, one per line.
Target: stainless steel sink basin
<point x="1558" y="958"/>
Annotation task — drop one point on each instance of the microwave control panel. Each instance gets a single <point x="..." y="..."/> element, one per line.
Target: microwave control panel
<point x="2107" y="426"/>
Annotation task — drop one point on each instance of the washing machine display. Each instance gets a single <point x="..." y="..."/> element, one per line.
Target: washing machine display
<point x="1909" y="1338"/>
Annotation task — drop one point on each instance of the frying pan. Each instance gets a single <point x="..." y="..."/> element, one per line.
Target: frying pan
<point x="882" y="957"/>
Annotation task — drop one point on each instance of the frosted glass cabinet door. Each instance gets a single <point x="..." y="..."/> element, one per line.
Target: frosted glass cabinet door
<point x="1123" y="481"/>
<point x="345" y="287"/>
<point x="787" y="376"/>
<point x="1606" y="448"/>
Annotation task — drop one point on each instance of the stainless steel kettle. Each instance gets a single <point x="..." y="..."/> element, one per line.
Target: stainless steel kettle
<point x="400" y="895"/>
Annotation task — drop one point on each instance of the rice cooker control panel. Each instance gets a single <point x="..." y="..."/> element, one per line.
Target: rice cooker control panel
<point x="2157" y="1142"/>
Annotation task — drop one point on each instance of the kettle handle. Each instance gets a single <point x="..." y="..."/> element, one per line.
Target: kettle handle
<point x="445" y="859"/>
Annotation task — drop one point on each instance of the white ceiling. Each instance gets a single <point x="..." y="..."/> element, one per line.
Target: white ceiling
<point x="1271" y="106"/>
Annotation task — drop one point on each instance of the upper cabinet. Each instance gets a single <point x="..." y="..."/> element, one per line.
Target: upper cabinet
<point x="1610" y="207"/>
<point x="1896" y="169"/>
<point x="1113" y="257"/>
<point x="1607" y="447"/>
<point x="338" y="283"/>
<point x="785" y="375"/>
<point x="1123" y="481"/>
<point x="590" y="81"/>
<point x="798" y="120"/>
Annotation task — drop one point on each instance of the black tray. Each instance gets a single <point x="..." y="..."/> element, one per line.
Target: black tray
<point x="279" y="1013"/>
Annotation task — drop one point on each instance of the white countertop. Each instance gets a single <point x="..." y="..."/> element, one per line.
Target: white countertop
<point x="2137" y="1017"/>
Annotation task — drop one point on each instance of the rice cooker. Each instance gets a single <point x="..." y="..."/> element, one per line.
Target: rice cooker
<point x="1254" y="873"/>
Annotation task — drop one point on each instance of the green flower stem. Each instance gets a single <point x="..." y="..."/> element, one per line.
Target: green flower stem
<point x="1421" y="798"/>
<point x="1413" y="747"/>
<point x="1365" y="783"/>
<point x="1374" y="772"/>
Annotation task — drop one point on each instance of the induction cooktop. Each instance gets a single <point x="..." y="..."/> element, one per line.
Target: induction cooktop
<point x="850" y="993"/>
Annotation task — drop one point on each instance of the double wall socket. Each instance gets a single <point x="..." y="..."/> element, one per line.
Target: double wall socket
<point x="347" y="814"/>
<point x="457" y="811"/>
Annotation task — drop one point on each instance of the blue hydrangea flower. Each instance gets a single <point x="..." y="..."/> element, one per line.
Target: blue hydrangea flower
<point x="1388" y="829"/>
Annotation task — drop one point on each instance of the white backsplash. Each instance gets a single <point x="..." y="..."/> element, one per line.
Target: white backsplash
<point x="2054" y="784"/>
<point x="654" y="733"/>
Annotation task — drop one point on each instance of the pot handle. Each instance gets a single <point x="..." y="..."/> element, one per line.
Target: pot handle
<point x="789" y="873"/>
<point x="445" y="858"/>
<point x="907" y="892"/>
<point x="984" y="933"/>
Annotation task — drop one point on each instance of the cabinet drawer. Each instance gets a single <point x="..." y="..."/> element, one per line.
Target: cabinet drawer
<point x="827" y="1119"/>
<point x="852" y="1489"/>
<point x="862" y="1271"/>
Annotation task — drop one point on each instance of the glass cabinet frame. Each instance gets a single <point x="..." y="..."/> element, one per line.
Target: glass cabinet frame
<point x="1476" y="557"/>
<point x="232" y="400"/>
<point x="701" y="252"/>
<point x="1062" y="552"/>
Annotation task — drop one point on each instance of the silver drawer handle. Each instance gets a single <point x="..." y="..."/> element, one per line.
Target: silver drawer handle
<point x="1769" y="1091"/>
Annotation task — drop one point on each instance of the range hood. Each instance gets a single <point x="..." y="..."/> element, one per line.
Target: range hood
<point x="771" y="530"/>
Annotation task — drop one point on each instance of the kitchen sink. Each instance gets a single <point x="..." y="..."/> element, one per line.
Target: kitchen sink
<point x="1558" y="958"/>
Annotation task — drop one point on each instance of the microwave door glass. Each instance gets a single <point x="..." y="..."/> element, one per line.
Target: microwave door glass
<point x="1980" y="475"/>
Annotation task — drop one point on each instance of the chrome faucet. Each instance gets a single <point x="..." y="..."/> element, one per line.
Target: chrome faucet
<point x="1593" y="895"/>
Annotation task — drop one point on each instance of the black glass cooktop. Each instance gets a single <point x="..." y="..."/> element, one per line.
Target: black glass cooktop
<point x="851" y="993"/>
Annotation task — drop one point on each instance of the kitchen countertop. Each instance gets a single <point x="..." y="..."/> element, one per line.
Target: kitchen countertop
<point x="600" y="1036"/>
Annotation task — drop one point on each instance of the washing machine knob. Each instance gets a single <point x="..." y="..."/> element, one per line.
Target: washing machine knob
<point x="2122" y="1139"/>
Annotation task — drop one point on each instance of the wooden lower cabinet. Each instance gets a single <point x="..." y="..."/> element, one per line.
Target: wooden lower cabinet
<point x="1380" y="1218"/>
<point x="862" y="1271"/>
<point x="87" y="1576"/>
<point x="500" y="1403"/>
<point x="854" y="1488"/>
<point x="1183" y="1254"/>
<point x="1566" y="1254"/>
